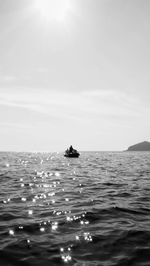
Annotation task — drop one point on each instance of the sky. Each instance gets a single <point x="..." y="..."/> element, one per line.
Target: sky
<point x="74" y="72"/>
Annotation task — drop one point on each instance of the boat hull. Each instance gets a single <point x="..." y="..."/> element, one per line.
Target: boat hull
<point x="72" y="155"/>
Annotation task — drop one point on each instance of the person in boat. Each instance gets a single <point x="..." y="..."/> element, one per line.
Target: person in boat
<point x="71" y="149"/>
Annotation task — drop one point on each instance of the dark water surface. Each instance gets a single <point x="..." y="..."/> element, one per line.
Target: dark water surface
<point x="92" y="210"/>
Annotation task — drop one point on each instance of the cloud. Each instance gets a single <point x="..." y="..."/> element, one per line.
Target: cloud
<point x="114" y="103"/>
<point x="16" y="125"/>
<point x="47" y="102"/>
<point x="7" y="78"/>
<point x="79" y="106"/>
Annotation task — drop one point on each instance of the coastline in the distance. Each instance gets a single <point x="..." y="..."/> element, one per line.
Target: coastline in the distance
<point x="142" y="146"/>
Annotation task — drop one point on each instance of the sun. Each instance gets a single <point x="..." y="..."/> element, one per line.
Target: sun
<point x="53" y="9"/>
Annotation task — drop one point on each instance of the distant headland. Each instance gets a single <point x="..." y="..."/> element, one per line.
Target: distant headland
<point x="142" y="146"/>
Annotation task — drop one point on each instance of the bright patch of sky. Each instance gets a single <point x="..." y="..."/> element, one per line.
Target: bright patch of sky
<point x="78" y="75"/>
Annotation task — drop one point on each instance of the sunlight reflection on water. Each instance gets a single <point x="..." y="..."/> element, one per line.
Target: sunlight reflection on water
<point x="69" y="209"/>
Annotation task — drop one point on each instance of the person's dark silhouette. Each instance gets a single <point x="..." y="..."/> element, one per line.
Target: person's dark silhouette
<point x="71" y="149"/>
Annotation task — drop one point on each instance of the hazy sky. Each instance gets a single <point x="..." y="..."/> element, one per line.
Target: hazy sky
<point x="74" y="72"/>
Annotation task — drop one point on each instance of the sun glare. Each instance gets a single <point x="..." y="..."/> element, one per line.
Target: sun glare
<point x="53" y="9"/>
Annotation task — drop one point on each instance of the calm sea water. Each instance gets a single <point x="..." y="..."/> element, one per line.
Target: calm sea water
<point x="92" y="210"/>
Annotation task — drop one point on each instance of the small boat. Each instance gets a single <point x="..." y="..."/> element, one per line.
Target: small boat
<point x="72" y="153"/>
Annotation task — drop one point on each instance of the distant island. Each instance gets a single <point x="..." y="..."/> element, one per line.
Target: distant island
<point x="142" y="146"/>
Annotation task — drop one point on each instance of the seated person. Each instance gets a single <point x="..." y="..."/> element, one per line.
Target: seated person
<point x="71" y="149"/>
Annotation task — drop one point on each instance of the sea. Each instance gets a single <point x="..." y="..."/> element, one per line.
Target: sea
<point x="91" y="210"/>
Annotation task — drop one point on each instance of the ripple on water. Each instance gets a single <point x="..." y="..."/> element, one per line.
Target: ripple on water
<point x="94" y="210"/>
